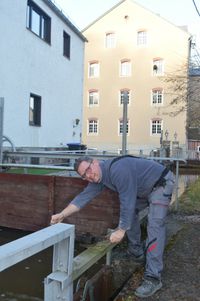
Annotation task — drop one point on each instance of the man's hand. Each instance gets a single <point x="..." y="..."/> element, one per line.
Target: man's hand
<point x="57" y="218"/>
<point x="117" y="236"/>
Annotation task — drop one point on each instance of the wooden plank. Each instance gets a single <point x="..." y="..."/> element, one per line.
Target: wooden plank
<point x="87" y="258"/>
<point x="24" y="201"/>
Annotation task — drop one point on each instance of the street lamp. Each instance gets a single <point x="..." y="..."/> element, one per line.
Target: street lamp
<point x="166" y="134"/>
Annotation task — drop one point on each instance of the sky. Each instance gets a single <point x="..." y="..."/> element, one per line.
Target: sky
<point x="179" y="12"/>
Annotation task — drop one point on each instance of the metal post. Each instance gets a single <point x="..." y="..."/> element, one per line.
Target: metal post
<point x="59" y="284"/>
<point x="176" y="185"/>
<point x="1" y="128"/>
<point x="124" y="133"/>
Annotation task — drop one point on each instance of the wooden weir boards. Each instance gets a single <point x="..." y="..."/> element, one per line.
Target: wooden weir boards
<point x="28" y="201"/>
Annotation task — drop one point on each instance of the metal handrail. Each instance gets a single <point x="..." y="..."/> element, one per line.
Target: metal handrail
<point x="61" y="237"/>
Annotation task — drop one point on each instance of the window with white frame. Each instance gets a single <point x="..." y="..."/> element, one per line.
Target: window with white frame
<point x="156" y="126"/>
<point x="93" y="69"/>
<point x="158" y="66"/>
<point x="157" y="96"/>
<point x="125" y="68"/>
<point x="124" y="93"/>
<point x="120" y="125"/>
<point x="110" y="40"/>
<point x="93" y="125"/>
<point x="93" y="99"/>
<point x="141" y="37"/>
<point x="38" y="21"/>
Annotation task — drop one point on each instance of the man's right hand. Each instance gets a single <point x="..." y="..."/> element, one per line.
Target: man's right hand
<point x="57" y="218"/>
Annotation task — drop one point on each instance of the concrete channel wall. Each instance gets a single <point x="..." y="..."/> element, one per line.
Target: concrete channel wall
<point x="28" y="201"/>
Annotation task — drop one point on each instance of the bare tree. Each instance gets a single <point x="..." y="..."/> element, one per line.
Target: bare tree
<point x="183" y="88"/>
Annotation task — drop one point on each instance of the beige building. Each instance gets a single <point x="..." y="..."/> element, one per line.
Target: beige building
<point x="131" y="51"/>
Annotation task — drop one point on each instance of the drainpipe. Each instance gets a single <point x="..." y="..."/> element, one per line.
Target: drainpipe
<point x="188" y="87"/>
<point x="1" y="128"/>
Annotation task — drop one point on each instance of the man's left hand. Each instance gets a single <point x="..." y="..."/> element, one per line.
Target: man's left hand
<point x="117" y="236"/>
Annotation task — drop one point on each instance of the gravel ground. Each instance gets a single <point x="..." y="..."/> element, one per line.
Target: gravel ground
<point x="181" y="275"/>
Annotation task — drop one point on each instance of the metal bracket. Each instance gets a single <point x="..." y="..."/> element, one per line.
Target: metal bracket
<point x="61" y="277"/>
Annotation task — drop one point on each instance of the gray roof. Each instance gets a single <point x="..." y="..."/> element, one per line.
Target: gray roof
<point x="194" y="71"/>
<point x="60" y="14"/>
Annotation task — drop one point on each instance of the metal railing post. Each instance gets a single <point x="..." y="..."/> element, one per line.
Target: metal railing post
<point x="59" y="284"/>
<point x="176" y="185"/>
<point x="124" y="133"/>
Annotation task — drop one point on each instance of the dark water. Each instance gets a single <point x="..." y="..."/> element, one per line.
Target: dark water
<point x="25" y="281"/>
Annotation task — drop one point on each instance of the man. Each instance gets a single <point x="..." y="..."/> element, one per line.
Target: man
<point x="139" y="182"/>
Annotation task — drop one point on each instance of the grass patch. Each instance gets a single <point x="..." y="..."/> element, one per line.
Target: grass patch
<point x="32" y="171"/>
<point x="189" y="202"/>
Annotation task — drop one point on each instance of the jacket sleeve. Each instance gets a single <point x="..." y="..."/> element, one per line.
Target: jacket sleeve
<point x="90" y="192"/>
<point x="125" y="181"/>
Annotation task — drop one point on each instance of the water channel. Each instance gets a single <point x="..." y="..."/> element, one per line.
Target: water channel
<point x="25" y="281"/>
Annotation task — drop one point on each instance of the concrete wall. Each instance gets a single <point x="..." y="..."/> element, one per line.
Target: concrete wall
<point x="30" y="65"/>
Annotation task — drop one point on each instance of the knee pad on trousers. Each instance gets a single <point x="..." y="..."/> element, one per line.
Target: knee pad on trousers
<point x="158" y="211"/>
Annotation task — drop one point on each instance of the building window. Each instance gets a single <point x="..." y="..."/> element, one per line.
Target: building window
<point x="66" y="44"/>
<point x="123" y="94"/>
<point x="38" y="21"/>
<point x="92" y="127"/>
<point x="35" y="110"/>
<point x="156" y="126"/>
<point x="93" y="69"/>
<point x="158" y="66"/>
<point x="125" y="68"/>
<point x="110" y="41"/>
<point x="141" y="37"/>
<point x="121" y="127"/>
<point x="93" y="98"/>
<point x="157" y="96"/>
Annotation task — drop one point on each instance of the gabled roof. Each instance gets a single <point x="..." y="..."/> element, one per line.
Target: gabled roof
<point x="107" y="12"/>
<point x="183" y="28"/>
<point x="60" y="14"/>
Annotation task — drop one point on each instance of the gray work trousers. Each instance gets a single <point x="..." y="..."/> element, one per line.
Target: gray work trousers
<point x="158" y="202"/>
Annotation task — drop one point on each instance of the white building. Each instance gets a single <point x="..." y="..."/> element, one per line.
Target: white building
<point x="41" y="74"/>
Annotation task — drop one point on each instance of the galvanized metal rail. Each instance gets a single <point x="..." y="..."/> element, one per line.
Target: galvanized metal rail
<point x="65" y="268"/>
<point x="61" y="237"/>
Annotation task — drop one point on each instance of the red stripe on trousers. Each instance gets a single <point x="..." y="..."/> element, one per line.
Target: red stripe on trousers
<point x="152" y="247"/>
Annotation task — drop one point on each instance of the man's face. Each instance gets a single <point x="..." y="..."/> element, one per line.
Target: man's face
<point x="90" y="171"/>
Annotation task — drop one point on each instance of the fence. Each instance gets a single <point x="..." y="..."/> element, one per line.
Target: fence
<point x="61" y="237"/>
<point x="65" y="268"/>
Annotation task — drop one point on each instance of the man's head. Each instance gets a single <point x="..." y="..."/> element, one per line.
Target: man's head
<point x="88" y="168"/>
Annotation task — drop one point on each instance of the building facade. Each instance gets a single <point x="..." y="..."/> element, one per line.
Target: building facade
<point x="130" y="53"/>
<point x="41" y="74"/>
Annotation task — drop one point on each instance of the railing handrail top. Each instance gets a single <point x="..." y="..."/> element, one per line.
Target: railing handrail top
<point x="24" y="247"/>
